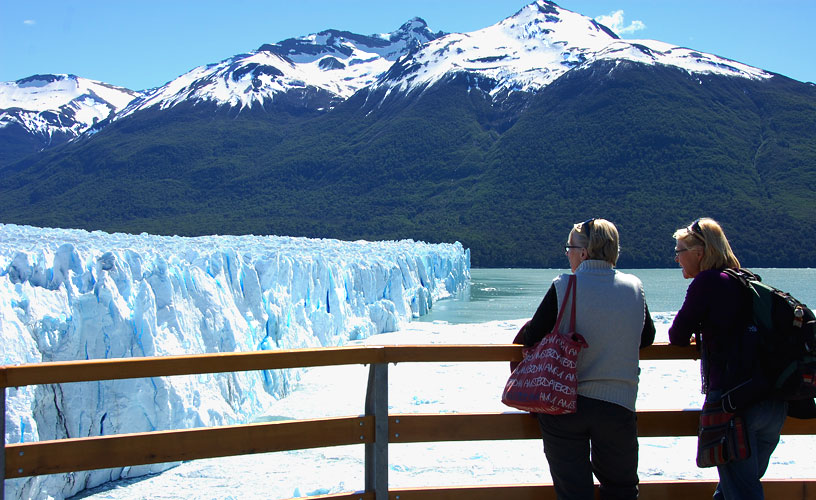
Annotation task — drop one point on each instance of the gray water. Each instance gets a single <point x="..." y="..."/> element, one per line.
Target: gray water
<point x="504" y="294"/>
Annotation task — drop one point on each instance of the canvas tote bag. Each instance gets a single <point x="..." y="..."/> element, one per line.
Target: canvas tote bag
<point x="546" y="380"/>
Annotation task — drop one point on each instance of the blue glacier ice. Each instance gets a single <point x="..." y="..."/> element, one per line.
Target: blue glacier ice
<point x="73" y="294"/>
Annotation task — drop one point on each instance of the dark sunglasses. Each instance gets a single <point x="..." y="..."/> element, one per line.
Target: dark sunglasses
<point x="589" y="223"/>
<point x="697" y="231"/>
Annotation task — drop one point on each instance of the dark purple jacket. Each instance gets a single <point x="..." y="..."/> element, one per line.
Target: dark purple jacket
<point x="716" y="307"/>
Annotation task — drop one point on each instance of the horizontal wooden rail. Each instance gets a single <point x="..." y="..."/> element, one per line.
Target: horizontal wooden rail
<point x="125" y="368"/>
<point x="67" y="455"/>
<point x="788" y="489"/>
<point x="419" y="428"/>
<point x="359" y="495"/>
<point x="49" y="457"/>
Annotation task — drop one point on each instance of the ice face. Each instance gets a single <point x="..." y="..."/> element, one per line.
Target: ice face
<point x="71" y="294"/>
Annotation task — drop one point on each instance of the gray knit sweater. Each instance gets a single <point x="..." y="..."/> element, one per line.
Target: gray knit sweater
<point x="610" y="315"/>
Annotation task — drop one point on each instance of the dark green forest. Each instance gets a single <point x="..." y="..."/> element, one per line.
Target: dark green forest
<point x="648" y="147"/>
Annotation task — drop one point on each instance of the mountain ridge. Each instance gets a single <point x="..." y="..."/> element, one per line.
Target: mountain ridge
<point x="471" y="156"/>
<point x="41" y="111"/>
<point x="322" y="69"/>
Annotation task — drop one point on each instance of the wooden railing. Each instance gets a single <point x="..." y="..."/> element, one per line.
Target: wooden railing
<point x="376" y="429"/>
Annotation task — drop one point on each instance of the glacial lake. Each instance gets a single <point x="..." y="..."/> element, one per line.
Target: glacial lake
<point x="504" y="294"/>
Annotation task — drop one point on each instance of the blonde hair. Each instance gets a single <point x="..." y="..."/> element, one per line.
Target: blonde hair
<point x="707" y="233"/>
<point x="599" y="237"/>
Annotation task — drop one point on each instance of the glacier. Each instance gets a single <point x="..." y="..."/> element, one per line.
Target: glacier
<point x="72" y="294"/>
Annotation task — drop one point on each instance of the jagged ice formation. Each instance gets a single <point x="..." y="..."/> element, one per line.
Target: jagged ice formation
<point x="72" y="294"/>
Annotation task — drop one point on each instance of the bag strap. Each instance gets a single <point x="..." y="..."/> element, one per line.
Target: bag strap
<point x="571" y="289"/>
<point x="574" y="283"/>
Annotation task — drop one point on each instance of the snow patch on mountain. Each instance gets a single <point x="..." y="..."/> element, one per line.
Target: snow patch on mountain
<point x="328" y="67"/>
<point x="240" y="81"/>
<point x="59" y="106"/>
<point x="50" y="92"/>
<point x="534" y="47"/>
<point x="523" y="53"/>
<point x="656" y="52"/>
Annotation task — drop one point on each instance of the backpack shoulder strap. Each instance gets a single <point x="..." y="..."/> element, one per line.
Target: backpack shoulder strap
<point x="750" y="282"/>
<point x="743" y="275"/>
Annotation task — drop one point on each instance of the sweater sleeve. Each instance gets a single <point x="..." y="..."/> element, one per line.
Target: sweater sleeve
<point x="689" y="318"/>
<point x="647" y="336"/>
<point x="544" y="319"/>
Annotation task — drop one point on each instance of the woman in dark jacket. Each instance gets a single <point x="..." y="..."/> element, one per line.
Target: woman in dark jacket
<point x="715" y="310"/>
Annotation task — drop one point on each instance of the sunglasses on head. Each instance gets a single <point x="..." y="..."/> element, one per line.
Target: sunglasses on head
<point x="696" y="230"/>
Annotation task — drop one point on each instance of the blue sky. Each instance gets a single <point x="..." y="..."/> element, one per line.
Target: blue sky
<point x="144" y="44"/>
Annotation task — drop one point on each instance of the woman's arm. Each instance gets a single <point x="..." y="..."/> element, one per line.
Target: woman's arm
<point x="544" y="319"/>
<point x="689" y="317"/>
<point x="647" y="336"/>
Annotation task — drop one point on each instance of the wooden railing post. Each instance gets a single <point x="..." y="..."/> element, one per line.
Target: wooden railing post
<point x="3" y="448"/>
<point x="376" y="453"/>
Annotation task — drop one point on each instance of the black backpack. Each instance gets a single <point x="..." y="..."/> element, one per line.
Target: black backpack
<point x="785" y="336"/>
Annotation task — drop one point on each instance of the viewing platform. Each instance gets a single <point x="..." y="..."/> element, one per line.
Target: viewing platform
<point x="376" y="429"/>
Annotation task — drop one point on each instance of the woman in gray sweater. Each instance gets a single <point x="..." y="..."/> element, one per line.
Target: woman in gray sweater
<point x="600" y="438"/>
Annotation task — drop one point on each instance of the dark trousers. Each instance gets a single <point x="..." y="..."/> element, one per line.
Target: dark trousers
<point x="600" y="439"/>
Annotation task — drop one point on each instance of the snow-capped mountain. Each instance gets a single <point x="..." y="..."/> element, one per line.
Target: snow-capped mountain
<point x="56" y="108"/>
<point x="315" y="71"/>
<point x="521" y="54"/>
<point x="477" y="131"/>
<point x="524" y="52"/>
<point x="536" y="46"/>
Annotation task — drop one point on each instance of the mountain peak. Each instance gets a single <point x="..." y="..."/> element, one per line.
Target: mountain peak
<point x="532" y="48"/>
<point x="522" y="53"/>
<point x="329" y="66"/>
<point x="525" y="51"/>
<point x="416" y="26"/>
<point x="546" y="19"/>
<point x="43" y="80"/>
<point x="50" y="92"/>
<point x="52" y="109"/>
<point x="411" y="34"/>
<point x="414" y="33"/>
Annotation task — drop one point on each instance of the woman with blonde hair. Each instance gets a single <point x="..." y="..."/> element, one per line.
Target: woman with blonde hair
<point x="707" y="242"/>
<point x="715" y="312"/>
<point x="600" y="438"/>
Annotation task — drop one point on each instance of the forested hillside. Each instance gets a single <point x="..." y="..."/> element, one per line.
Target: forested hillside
<point x="649" y="147"/>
